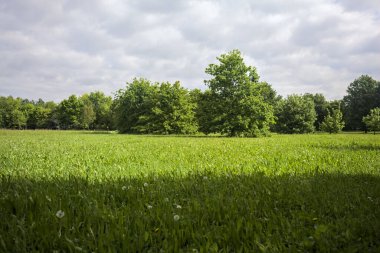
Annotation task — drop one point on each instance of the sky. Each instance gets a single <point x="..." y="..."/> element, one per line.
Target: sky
<point x="52" y="49"/>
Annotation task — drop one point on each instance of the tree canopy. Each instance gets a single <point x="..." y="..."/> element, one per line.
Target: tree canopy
<point x="146" y="107"/>
<point x="372" y="120"/>
<point x="295" y="114"/>
<point x="235" y="102"/>
<point x="333" y="123"/>
<point x="363" y="94"/>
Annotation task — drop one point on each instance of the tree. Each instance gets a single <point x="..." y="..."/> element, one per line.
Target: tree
<point x="321" y="108"/>
<point x="144" y="107"/>
<point x="69" y="113"/>
<point x="235" y="102"/>
<point x="372" y="120"/>
<point x="102" y="108"/>
<point x="333" y="123"/>
<point x="88" y="116"/>
<point x="133" y="105"/>
<point x="363" y="95"/>
<point x="13" y="115"/>
<point x="295" y="114"/>
<point x="173" y="111"/>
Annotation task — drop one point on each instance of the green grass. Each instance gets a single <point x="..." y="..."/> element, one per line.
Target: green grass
<point x="125" y="193"/>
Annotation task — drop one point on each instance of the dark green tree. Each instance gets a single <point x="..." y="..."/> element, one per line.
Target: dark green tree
<point x="69" y="113"/>
<point x="295" y="114"/>
<point x="363" y="94"/>
<point x="173" y="111"/>
<point x="133" y="105"/>
<point x="13" y="115"/>
<point x="236" y="100"/>
<point x="144" y="107"/>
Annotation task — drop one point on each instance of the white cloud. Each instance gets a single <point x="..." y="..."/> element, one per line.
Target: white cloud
<point x="51" y="49"/>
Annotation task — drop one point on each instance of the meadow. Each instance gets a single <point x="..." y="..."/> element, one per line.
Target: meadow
<point x="78" y="191"/>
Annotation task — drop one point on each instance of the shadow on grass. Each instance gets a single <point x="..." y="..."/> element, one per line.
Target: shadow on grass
<point x="249" y="213"/>
<point x="350" y="147"/>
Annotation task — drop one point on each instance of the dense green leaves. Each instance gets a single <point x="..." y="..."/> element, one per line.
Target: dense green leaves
<point x="321" y="106"/>
<point x="363" y="94"/>
<point x="236" y="104"/>
<point x="333" y="123"/>
<point x="372" y="120"/>
<point x="295" y="114"/>
<point x="145" y="107"/>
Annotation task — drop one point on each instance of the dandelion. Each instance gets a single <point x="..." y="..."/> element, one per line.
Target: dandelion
<point x="178" y="207"/>
<point x="60" y="214"/>
<point x="176" y="217"/>
<point x="149" y="206"/>
<point x="145" y="184"/>
<point x="124" y="188"/>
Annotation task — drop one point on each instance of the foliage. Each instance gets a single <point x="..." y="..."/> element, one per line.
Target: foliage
<point x="295" y="114"/>
<point x="333" y="123"/>
<point x="363" y="94"/>
<point x="132" y="104"/>
<point x="372" y="120"/>
<point x="125" y="193"/>
<point x="238" y="105"/>
<point x="69" y="113"/>
<point x="13" y="113"/>
<point x="88" y="114"/>
<point x="89" y="111"/>
<point x="321" y="106"/>
<point x="144" y="107"/>
<point x="101" y="105"/>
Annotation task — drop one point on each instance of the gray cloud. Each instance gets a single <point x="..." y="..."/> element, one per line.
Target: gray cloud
<point x="51" y="49"/>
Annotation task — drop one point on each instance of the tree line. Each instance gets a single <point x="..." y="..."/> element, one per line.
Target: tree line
<point x="234" y="103"/>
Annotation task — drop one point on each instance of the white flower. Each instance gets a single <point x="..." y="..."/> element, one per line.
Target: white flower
<point x="145" y="184"/>
<point x="124" y="188"/>
<point x="205" y="178"/>
<point x="149" y="206"/>
<point x="176" y="217"/>
<point x="166" y="199"/>
<point x="60" y="214"/>
<point x="178" y="207"/>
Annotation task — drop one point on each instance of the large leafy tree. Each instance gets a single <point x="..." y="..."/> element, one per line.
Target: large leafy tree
<point x="13" y="112"/>
<point x="144" y="107"/>
<point x="372" y="120"/>
<point x="173" y="111"/>
<point x="295" y="114"/>
<point x="235" y="103"/>
<point x="69" y="113"/>
<point x="363" y="94"/>
<point x="133" y="105"/>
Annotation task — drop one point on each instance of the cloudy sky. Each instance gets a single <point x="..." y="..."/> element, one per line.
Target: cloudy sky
<point x="51" y="49"/>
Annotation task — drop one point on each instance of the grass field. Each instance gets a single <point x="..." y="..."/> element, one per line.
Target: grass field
<point x="98" y="192"/>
